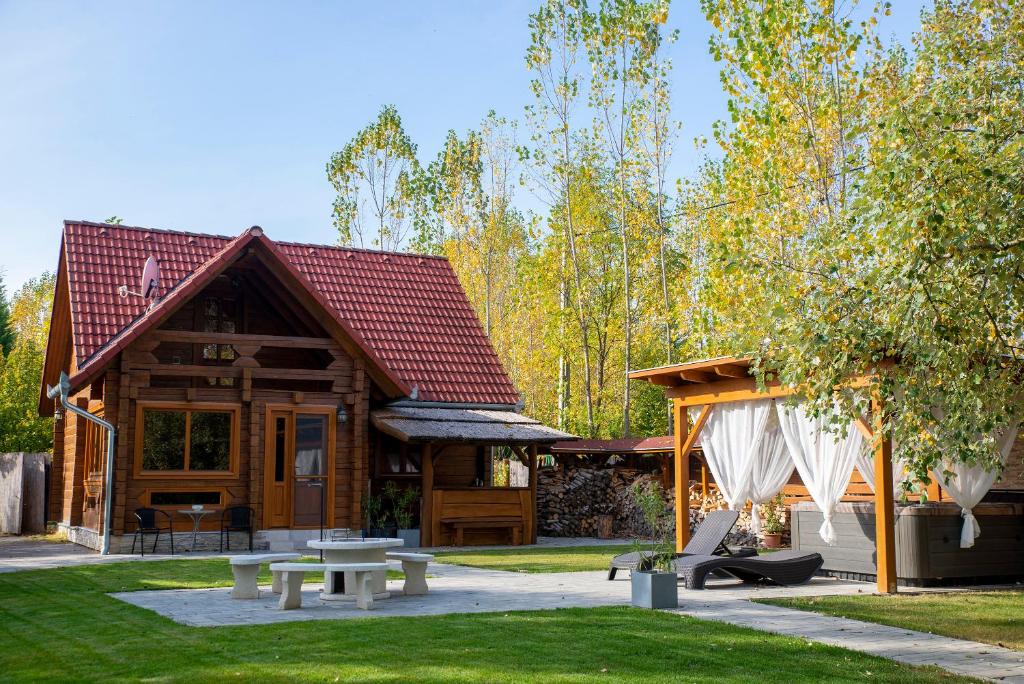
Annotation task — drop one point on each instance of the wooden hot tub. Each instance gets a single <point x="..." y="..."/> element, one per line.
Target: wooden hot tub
<point x="927" y="542"/>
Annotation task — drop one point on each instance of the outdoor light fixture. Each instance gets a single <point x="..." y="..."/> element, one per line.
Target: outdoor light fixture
<point x="342" y="414"/>
<point x="57" y="413"/>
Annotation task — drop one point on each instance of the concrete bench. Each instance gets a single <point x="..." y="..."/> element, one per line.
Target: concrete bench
<point x="292" y="575"/>
<point x="414" y="565"/>
<point x="246" y="568"/>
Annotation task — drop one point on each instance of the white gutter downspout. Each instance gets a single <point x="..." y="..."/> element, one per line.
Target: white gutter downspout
<point x="62" y="388"/>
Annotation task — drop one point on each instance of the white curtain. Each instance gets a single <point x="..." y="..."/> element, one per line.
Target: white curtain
<point x="969" y="484"/>
<point x="771" y="469"/>
<point x="824" y="460"/>
<point x="866" y="467"/>
<point x="730" y="439"/>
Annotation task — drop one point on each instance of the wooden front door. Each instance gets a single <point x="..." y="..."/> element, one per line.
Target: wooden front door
<point x="299" y="463"/>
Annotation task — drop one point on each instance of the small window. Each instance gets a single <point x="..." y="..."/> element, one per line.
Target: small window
<point x="95" y="447"/>
<point x="397" y="458"/>
<point x="218" y="317"/>
<point x="184" y="498"/>
<point x="198" y="440"/>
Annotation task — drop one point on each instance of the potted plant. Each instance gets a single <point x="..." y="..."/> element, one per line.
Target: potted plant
<point x="772" y="527"/>
<point x="653" y="583"/>
<point x="377" y="517"/>
<point x="401" y="510"/>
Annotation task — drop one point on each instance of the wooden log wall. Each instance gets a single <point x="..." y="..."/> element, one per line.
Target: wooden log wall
<point x="346" y="385"/>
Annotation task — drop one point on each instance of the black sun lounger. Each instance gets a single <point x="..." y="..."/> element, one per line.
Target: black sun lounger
<point x="707" y="540"/>
<point x="781" y="567"/>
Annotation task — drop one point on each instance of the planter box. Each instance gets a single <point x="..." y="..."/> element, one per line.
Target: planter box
<point x="388" y="532"/>
<point x="410" y="537"/>
<point x="654" y="589"/>
<point x="927" y="542"/>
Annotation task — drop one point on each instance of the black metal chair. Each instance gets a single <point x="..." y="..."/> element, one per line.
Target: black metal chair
<point x="147" y="523"/>
<point x="236" y="519"/>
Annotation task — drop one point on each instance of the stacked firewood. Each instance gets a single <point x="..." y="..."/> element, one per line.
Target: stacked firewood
<point x="574" y="496"/>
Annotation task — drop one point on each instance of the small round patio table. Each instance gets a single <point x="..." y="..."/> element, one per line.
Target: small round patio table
<point x="340" y="586"/>
<point x="197" y="514"/>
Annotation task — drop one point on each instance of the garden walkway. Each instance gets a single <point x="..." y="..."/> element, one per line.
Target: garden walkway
<point x="28" y="553"/>
<point x="969" y="658"/>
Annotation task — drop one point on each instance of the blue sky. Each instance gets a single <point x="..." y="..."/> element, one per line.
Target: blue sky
<point x="217" y="116"/>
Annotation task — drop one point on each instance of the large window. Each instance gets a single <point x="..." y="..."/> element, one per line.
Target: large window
<point x="186" y="439"/>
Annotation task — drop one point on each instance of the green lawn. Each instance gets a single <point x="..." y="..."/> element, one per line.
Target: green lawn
<point x="993" y="617"/>
<point x="533" y="559"/>
<point x="60" y="625"/>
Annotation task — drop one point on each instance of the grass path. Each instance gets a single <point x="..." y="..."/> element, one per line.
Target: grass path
<point x="991" y="617"/>
<point x="60" y="625"/>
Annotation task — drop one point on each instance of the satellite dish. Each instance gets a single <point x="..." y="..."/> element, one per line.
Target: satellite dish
<point x="149" y="285"/>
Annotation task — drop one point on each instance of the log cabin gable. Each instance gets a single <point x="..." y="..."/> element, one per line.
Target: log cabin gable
<point x="285" y="290"/>
<point x="244" y="349"/>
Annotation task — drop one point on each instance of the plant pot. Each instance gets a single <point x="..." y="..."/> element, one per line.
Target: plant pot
<point x="388" y="531"/>
<point x="411" y="537"/>
<point x="772" y="540"/>
<point x="654" y="589"/>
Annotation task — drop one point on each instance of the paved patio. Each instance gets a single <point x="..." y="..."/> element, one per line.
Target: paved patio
<point x="453" y="589"/>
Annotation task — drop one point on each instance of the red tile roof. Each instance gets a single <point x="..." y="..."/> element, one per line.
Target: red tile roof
<point x="408" y="311"/>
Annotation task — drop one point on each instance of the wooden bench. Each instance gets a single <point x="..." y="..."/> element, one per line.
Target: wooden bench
<point x="292" y="575"/>
<point x="513" y="524"/>
<point x="414" y="565"/>
<point x="246" y="568"/>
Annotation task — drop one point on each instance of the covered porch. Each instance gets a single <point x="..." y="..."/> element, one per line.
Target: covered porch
<point x="450" y="452"/>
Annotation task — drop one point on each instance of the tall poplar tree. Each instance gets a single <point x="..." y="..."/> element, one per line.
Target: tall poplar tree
<point x="558" y="32"/>
<point x="622" y="45"/>
<point x="378" y="182"/>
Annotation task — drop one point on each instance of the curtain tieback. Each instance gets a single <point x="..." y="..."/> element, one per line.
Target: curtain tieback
<point x="827" y="531"/>
<point x="971" y="529"/>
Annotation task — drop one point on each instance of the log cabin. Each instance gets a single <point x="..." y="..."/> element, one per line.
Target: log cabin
<point x="296" y="380"/>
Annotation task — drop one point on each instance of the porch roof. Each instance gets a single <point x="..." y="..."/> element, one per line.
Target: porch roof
<point x="630" y="445"/>
<point x="465" y="425"/>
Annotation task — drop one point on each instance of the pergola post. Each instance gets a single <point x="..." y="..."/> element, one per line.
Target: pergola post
<point x="533" y="492"/>
<point x="682" y="474"/>
<point x="885" y="519"/>
<point x="684" y="441"/>
<point x="427" y="514"/>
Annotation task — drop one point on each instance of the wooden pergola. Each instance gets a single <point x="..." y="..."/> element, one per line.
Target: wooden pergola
<point x="727" y="379"/>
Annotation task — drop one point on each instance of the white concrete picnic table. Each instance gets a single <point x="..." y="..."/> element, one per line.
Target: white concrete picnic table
<point x="342" y="586"/>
